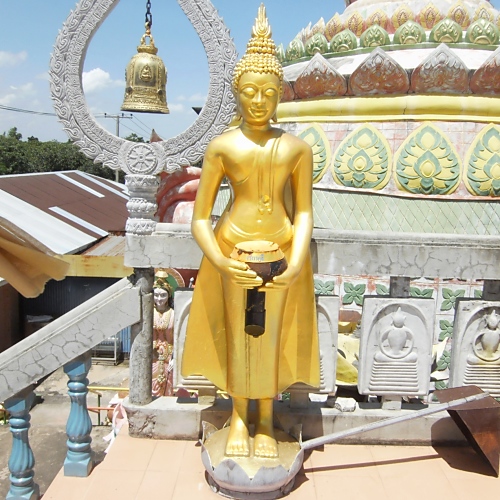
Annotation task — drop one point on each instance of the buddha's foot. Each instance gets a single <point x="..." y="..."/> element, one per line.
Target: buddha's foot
<point x="237" y="442"/>
<point x="265" y="446"/>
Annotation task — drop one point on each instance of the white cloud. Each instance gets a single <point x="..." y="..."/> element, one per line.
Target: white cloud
<point x="97" y="79"/>
<point x="26" y="89"/>
<point x="197" y="98"/>
<point x="12" y="59"/>
<point x="7" y="99"/>
<point x="176" y="108"/>
<point x="43" y="76"/>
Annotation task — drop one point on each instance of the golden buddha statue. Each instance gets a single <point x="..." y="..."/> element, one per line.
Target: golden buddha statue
<point x="270" y="174"/>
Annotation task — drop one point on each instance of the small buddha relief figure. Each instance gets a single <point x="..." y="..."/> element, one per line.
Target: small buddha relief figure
<point x="163" y="336"/>
<point x="482" y="363"/>
<point x="486" y="343"/>
<point x="270" y="175"/>
<point x="395" y="364"/>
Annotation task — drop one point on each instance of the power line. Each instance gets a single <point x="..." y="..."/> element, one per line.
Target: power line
<point x="147" y="127"/>
<point x="27" y="111"/>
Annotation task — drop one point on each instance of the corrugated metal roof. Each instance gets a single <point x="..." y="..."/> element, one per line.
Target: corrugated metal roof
<point x="66" y="211"/>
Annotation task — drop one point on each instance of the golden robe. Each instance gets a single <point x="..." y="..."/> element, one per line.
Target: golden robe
<point x="206" y="348"/>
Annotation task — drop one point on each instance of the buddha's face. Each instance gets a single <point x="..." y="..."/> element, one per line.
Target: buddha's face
<point x="258" y="97"/>
<point x="161" y="297"/>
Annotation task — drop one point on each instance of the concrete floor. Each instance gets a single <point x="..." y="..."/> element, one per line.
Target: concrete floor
<point x="142" y="469"/>
<point x="48" y="423"/>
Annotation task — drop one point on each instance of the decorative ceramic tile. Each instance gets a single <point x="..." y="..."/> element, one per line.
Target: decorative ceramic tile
<point x="482" y="32"/>
<point x="379" y="74"/>
<point x="288" y="92"/>
<point x="476" y="346"/>
<point x="344" y="41"/>
<point x="322" y="155"/>
<point x="295" y="50"/>
<point x="483" y="163"/>
<point x="317" y="44"/>
<point x="409" y="33"/>
<point x="369" y="212"/>
<point x="378" y="17"/>
<point x="427" y="163"/>
<point x="320" y="78"/>
<point x="355" y="23"/>
<point x="363" y="159"/>
<point x="374" y="36"/>
<point x="352" y="292"/>
<point x="441" y="72"/>
<point x="460" y="14"/>
<point x="396" y="346"/>
<point x="446" y="31"/>
<point x="486" y="79"/>
<point x="333" y="27"/>
<point x="448" y="295"/>
<point x="484" y="13"/>
<point x="318" y="28"/>
<point x="429" y="16"/>
<point x="402" y="15"/>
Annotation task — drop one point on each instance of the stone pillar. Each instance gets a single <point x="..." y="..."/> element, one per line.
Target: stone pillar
<point x="142" y="207"/>
<point x="78" y="460"/>
<point x="141" y="354"/>
<point x="21" y="461"/>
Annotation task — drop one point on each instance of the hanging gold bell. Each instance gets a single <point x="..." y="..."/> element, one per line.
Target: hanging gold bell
<point x="146" y="80"/>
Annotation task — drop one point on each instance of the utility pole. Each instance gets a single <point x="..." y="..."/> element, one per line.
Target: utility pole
<point x="123" y="116"/>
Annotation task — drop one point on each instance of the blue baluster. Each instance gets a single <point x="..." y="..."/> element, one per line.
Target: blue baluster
<point x="21" y="461"/>
<point x="78" y="461"/>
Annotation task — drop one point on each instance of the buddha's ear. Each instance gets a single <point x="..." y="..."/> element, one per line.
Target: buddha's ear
<point x="275" y="117"/>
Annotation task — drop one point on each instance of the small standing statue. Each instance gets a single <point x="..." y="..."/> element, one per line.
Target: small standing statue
<point x="270" y="174"/>
<point x="163" y="336"/>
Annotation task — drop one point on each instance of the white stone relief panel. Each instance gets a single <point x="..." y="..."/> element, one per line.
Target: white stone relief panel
<point x="396" y="346"/>
<point x="475" y="357"/>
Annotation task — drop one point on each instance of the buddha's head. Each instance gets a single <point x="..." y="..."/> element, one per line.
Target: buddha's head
<point x="258" y="76"/>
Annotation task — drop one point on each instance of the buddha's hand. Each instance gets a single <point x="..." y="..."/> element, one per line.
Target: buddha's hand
<point x="239" y="273"/>
<point x="283" y="281"/>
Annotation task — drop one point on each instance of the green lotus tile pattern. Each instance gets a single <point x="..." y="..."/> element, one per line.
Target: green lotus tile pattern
<point x="409" y="33"/>
<point x="381" y="290"/>
<point x="317" y="43"/>
<point x="295" y="50"/>
<point x="446" y="328"/>
<point x="373" y="212"/>
<point x="443" y="363"/>
<point x="374" y="36"/>
<point x="353" y="293"/>
<point x="483" y="163"/>
<point x="482" y="32"/>
<point x="363" y="159"/>
<point x="344" y="41"/>
<point x="450" y="298"/>
<point x="322" y="155"/>
<point x="421" y="293"/>
<point x="324" y="287"/>
<point x="426" y="163"/>
<point x="446" y="31"/>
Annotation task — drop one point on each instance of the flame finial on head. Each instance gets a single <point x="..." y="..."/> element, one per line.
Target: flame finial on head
<point x="260" y="56"/>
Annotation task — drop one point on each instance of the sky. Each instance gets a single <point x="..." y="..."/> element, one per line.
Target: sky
<point x="28" y="30"/>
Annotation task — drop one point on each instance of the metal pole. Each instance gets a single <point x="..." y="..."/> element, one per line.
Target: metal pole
<point x="330" y="438"/>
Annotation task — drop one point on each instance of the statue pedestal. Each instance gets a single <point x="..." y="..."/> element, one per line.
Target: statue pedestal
<point x="245" y="477"/>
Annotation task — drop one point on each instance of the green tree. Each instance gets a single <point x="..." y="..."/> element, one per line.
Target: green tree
<point x="21" y="157"/>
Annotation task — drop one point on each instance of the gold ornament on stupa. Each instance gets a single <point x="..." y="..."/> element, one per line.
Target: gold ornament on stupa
<point x="146" y="76"/>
